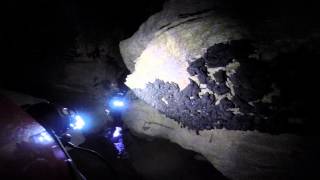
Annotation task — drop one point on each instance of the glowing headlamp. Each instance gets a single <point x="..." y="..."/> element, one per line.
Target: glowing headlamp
<point x="117" y="103"/>
<point x="77" y="122"/>
<point x="117" y="132"/>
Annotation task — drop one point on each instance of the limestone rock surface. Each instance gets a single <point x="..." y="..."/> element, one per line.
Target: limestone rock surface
<point x="236" y="154"/>
<point x="234" y="86"/>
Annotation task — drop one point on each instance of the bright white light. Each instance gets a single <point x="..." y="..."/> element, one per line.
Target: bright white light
<point x="46" y="136"/>
<point x="65" y="111"/>
<point x="118" y="103"/>
<point x="40" y="139"/>
<point x="43" y="138"/>
<point x="116" y="132"/>
<point x="79" y="122"/>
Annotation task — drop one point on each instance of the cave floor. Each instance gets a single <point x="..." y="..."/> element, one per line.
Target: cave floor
<point x="152" y="159"/>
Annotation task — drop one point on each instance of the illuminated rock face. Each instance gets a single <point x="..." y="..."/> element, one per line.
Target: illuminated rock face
<point x="215" y="96"/>
<point x="207" y="71"/>
<point x="217" y="79"/>
<point x="236" y="154"/>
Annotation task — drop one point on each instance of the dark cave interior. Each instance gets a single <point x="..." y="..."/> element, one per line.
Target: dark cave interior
<point x="40" y="36"/>
<point x="71" y="53"/>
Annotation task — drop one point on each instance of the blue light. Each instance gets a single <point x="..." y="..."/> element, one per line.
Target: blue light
<point x="117" y="132"/>
<point x="117" y="140"/>
<point x="117" y="103"/>
<point x="78" y="123"/>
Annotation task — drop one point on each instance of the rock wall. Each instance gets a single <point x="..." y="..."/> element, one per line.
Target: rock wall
<point x="211" y="67"/>
<point x="208" y="70"/>
<point x="236" y="154"/>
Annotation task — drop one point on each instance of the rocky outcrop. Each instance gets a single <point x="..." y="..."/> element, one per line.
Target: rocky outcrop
<point x="236" y="154"/>
<point x="207" y="70"/>
<point x="211" y="69"/>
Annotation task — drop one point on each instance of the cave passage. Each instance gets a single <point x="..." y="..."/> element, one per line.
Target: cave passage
<point x="162" y="89"/>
